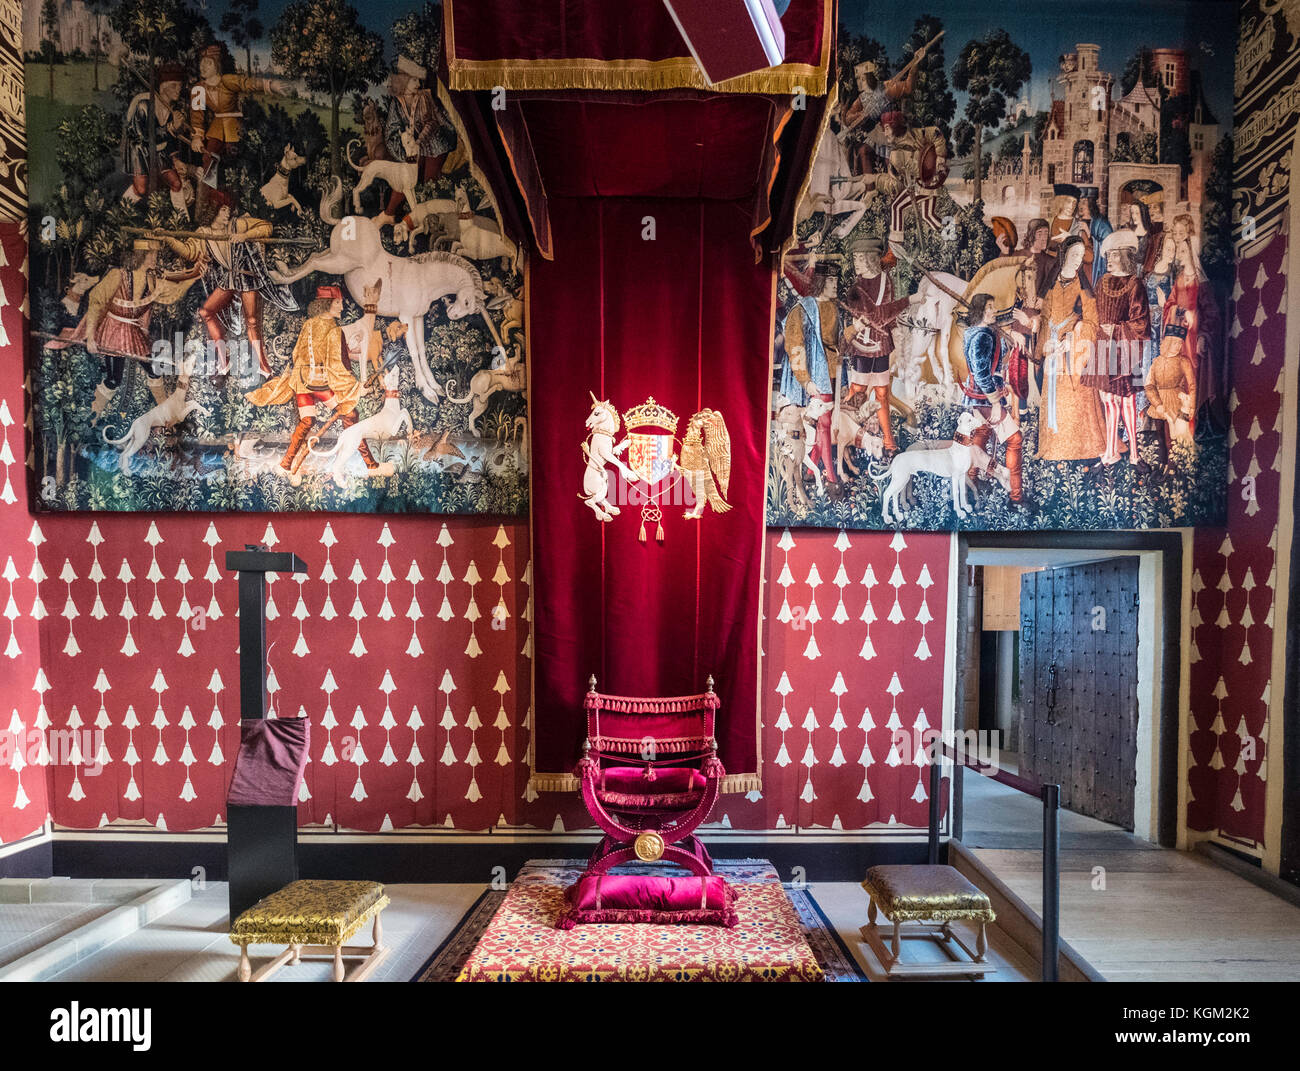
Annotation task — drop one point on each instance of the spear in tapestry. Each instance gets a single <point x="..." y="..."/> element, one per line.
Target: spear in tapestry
<point x="68" y="340"/>
<point x="216" y="236"/>
<point x="1010" y="340"/>
<point x="920" y="55"/>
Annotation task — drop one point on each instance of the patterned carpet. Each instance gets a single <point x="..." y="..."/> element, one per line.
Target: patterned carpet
<point x="510" y="935"/>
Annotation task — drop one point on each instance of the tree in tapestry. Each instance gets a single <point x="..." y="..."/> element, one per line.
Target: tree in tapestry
<point x="265" y="274"/>
<point x="1004" y="307"/>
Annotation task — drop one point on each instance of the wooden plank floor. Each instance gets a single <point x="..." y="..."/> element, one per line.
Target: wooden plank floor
<point x="1162" y="915"/>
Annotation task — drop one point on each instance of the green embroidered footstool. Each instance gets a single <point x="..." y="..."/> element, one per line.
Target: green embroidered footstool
<point x="929" y="899"/>
<point x="313" y="918"/>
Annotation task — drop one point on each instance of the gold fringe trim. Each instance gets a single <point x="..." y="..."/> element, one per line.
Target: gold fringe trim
<point x="961" y="915"/>
<point x="560" y="782"/>
<point x="625" y="745"/>
<point x="554" y="782"/>
<point x="681" y="72"/>
<point x="615" y="75"/>
<point x="742" y="782"/>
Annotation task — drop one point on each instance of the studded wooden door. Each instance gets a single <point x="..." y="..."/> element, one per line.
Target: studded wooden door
<point x="1078" y="691"/>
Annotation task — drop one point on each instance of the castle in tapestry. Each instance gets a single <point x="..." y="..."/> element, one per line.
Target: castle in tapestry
<point x="1005" y="307"/>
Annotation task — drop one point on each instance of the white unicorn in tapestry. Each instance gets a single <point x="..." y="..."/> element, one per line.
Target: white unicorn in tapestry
<point x="413" y="283"/>
<point x="600" y="452"/>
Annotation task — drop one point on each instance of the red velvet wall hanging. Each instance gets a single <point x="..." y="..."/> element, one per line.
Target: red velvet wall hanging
<point x="683" y="317"/>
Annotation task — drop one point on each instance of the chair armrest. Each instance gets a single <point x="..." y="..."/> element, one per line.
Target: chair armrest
<point x="606" y="821"/>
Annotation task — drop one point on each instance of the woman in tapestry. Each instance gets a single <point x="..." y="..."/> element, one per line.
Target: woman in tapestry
<point x="1070" y="423"/>
<point x="1122" y="321"/>
<point x="1150" y="235"/>
<point x="1171" y="386"/>
<point x="1191" y="293"/>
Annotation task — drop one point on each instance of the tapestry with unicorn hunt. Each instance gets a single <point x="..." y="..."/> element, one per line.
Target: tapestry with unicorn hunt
<point x="1006" y="304"/>
<point x="265" y="274"/>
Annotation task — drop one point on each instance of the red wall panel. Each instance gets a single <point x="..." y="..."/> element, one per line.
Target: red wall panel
<point x="23" y="807"/>
<point x="405" y="644"/>
<point x="1235" y="572"/>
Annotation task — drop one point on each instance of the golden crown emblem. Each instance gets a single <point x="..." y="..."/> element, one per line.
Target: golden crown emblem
<point x="650" y="414"/>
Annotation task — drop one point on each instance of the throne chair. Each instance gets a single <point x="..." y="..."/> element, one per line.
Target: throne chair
<point x="650" y="776"/>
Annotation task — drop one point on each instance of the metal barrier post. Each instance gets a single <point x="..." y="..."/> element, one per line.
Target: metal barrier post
<point x="936" y="790"/>
<point x="957" y="825"/>
<point x="1051" y="882"/>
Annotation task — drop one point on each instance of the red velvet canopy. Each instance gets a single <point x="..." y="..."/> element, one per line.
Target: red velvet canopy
<point x="579" y="165"/>
<point x="631" y="44"/>
<point x="657" y="145"/>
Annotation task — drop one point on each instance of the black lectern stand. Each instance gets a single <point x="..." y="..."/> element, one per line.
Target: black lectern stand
<point x="261" y="841"/>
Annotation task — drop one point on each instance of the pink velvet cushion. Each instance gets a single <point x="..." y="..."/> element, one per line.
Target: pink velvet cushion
<point x="672" y="787"/>
<point x="648" y="898"/>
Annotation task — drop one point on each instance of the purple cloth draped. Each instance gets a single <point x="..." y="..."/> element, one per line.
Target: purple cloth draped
<point x="271" y="759"/>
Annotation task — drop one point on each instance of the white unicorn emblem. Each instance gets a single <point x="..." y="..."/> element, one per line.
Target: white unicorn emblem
<point x="600" y="451"/>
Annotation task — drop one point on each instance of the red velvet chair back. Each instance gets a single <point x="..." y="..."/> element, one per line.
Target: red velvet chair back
<point x="664" y="727"/>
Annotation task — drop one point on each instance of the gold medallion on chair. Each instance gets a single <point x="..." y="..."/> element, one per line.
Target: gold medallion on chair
<point x="648" y="847"/>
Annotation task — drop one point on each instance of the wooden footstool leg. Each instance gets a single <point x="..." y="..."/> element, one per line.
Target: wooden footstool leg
<point x="871" y="910"/>
<point x="245" y="967"/>
<point x="338" y="963"/>
<point x="296" y="958"/>
<point x="981" y="944"/>
<point x="378" y="932"/>
<point x="898" y="941"/>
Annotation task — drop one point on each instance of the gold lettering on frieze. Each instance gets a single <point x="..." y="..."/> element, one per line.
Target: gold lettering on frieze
<point x="1260" y="125"/>
<point x="1256" y="46"/>
<point x="11" y="21"/>
<point x="11" y="96"/>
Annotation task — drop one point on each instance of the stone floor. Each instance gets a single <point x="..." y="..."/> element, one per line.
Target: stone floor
<point x="1157" y="915"/>
<point x="191" y="944"/>
<point x="35" y="912"/>
<point x="26" y="927"/>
